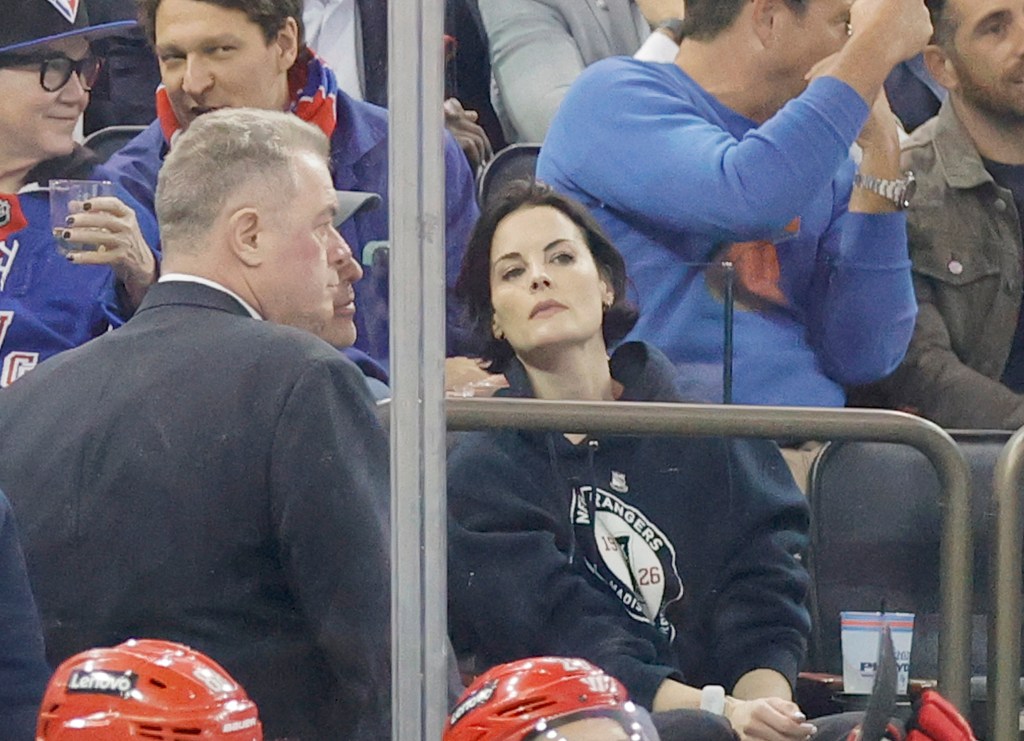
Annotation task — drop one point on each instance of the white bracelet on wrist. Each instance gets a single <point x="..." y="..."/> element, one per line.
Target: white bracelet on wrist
<point x="712" y="698"/>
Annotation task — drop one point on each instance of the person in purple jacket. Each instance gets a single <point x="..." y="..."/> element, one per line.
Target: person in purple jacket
<point x="233" y="53"/>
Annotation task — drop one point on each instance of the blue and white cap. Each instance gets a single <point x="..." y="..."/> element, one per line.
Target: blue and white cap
<point x="25" y="24"/>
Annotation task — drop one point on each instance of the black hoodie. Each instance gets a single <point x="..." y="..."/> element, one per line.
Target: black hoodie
<point x="652" y="557"/>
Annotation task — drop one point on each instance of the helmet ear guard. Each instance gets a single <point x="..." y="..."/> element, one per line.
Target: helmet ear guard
<point x="531" y="698"/>
<point x="149" y="689"/>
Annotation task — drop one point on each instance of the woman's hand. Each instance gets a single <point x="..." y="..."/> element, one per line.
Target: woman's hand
<point x="111" y="227"/>
<point x="768" y="719"/>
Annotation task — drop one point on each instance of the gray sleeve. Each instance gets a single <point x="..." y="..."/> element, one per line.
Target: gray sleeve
<point x="534" y="60"/>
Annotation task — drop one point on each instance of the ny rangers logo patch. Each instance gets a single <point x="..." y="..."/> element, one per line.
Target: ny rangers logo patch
<point x="67" y="8"/>
<point x="5" y="213"/>
<point x="629" y="553"/>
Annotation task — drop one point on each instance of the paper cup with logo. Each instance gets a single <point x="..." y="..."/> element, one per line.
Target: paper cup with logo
<point x="861" y="632"/>
<point x="66" y="199"/>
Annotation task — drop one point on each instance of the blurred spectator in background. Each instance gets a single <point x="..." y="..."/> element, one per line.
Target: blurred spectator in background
<point x="539" y="47"/>
<point x="965" y="365"/>
<point x="913" y="93"/>
<point x="48" y="302"/>
<point x="352" y="37"/>
<point x="228" y="53"/>
<point x="731" y="156"/>
<point x="123" y="94"/>
<point x="23" y="668"/>
<point x="143" y="689"/>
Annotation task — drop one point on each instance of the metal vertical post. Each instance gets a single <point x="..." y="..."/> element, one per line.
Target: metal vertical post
<point x="728" y="323"/>
<point x="1004" y="618"/>
<point x="417" y="305"/>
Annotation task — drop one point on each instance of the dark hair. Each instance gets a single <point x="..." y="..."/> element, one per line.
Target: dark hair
<point x="705" y="19"/>
<point x="943" y="23"/>
<point x="473" y="286"/>
<point x="269" y="15"/>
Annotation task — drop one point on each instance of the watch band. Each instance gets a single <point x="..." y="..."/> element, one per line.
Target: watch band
<point x="899" y="192"/>
<point x="675" y="28"/>
<point x="712" y="699"/>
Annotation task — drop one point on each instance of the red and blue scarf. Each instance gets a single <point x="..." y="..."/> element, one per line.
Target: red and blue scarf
<point x="313" y="92"/>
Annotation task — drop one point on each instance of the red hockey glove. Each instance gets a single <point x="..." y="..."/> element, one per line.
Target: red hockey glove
<point x="935" y="719"/>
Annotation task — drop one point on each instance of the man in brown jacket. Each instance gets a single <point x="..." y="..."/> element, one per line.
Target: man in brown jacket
<point x="965" y="365"/>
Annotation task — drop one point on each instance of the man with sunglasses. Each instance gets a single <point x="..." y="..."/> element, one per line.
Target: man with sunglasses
<point x="48" y="303"/>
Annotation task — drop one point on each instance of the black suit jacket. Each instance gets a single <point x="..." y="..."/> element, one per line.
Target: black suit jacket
<point x="201" y="476"/>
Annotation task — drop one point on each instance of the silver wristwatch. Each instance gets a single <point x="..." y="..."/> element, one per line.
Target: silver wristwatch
<point x="898" y="191"/>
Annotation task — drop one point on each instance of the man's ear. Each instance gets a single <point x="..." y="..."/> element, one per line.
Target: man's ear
<point x="287" y="44"/>
<point x="764" y="19"/>
<point x="244" y="230"/>
<point x="940" y="66"/>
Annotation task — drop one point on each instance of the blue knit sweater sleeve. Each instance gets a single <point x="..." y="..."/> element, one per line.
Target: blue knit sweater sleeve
<point x="683" y="161"/>
<point x="862" y="307"/>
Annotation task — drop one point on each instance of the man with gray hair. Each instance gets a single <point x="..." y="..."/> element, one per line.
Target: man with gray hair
<point x="206" y="475"/>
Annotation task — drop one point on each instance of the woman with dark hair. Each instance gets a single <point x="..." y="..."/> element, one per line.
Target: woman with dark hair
<point x="671" y="563"/>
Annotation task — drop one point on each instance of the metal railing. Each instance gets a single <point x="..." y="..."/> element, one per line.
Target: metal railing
<point x="698" y="420"/>
<point x="1005" y="615"/>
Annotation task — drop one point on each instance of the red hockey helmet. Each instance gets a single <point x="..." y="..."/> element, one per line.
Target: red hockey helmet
<point x="532" y="698"/>
<point x="145" y="689"/>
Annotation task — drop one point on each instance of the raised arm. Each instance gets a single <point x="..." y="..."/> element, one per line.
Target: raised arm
<point x="676" y="164"/>
<point x="534" y="60"/>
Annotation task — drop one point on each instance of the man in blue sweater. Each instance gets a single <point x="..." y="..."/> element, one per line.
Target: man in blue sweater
<point x="730" y="155"/>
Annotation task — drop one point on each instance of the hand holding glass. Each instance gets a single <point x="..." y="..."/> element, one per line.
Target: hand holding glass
<point x="67" y="198"/>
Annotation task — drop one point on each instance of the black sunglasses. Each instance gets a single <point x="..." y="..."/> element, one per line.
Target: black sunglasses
<point x="55" y="71"/>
